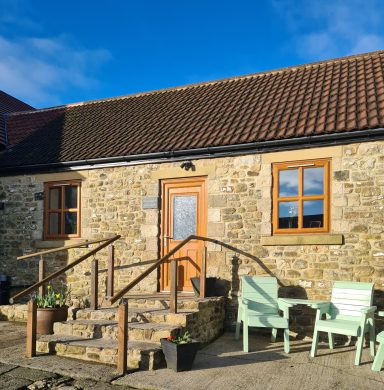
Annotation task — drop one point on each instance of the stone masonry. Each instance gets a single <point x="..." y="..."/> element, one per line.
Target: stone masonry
<point x="239" y="214"/>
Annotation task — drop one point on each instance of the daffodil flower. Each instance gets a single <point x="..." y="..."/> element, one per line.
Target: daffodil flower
<point x="57" y="296"/>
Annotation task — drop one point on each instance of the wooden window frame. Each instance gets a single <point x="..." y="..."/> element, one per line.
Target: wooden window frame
<point x="300" y="166"/>
<point x="62" y="209"/>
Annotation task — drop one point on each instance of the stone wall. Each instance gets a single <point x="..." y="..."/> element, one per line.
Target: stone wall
<point x="239" y="214"/>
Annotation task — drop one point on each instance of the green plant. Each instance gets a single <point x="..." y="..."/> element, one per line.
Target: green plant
<point x="183" y="339"/>
<point x="53" y="298"/>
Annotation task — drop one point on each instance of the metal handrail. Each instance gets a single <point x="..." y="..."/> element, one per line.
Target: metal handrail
<point x="64" y="269"/>
<point x="62" y="248"/>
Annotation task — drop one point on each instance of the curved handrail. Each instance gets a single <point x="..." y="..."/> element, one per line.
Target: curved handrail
<point x="64" y="269"/>
<point x="150" y="269"/>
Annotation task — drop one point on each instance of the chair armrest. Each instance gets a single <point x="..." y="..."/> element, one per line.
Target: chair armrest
<point x="380" y="313"/>
<point x="283" y="304"/>
<point x="322" y="306"/>
<point x="369" y="310"/>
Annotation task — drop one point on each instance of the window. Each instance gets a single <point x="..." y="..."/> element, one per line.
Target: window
<point x="301" y="197"/>
<point x="62" y="209"/>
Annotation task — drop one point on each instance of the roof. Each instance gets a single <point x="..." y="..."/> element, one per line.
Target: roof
<point x="330" y="97"/>
<point x="9" y="104"/>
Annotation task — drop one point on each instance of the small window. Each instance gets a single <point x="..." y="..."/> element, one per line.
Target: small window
<point x="62" y="209"/>
<point x="301" y="197"/>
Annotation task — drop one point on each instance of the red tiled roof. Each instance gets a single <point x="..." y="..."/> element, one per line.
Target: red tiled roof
<point x="329" y="97"/>
<point x="9" y="104"/>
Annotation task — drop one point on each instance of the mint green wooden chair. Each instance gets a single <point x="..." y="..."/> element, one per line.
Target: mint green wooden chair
<point x="259" y="307"/>
<point x="379" y="358"/>
<point x="349" y="313"/>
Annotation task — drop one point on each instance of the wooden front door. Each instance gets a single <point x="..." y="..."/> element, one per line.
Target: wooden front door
<point x="184" y="212"/>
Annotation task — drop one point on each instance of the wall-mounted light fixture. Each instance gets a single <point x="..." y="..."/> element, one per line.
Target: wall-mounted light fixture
<point x="188" y="165"/>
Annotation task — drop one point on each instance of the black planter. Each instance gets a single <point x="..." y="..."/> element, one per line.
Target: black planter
<point x="179" y="357"/>
<point x="210" y="286"/>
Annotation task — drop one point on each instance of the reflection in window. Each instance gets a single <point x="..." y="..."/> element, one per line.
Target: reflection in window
<point x="54" y="198"/>
<point x="184" y="216"/>
<point x="70" y="223"/>
<point x="313" y="214"/>
<point x="70" y="197"/>
<point x="288" y="215"/>
<point x="288" y="182"/>
<point x="314" y="181"/>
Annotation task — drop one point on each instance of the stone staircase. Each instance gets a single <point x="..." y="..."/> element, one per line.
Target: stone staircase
<point x="92" y="334"/>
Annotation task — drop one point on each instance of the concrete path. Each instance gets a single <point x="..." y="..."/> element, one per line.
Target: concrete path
<point x="221" y="365"/>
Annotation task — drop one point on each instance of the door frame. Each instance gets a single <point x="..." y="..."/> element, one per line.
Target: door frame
<point x="202" y="219"/>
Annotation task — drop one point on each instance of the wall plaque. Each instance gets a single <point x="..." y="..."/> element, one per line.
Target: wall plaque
<point x="150" y="202"/>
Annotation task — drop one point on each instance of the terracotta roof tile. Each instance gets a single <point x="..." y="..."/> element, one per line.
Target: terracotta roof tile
<point x="334" y="96"/>
<point x="9" y="104"/>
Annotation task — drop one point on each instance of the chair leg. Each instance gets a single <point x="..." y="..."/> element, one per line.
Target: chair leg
<point x="238" y="324"/>
<point x="372" y="337"/>
<point x="245" y="335"/>
<point x="274" y="334"/>
<point x="330" y="340"/>
<point x="314" y="343"/>
<point x="359" y="351"/>
<point x="379" y="358"/>
<point x="286" y="340"/>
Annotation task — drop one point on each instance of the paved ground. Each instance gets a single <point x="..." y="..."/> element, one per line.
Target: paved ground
<point x="221" y="365"/>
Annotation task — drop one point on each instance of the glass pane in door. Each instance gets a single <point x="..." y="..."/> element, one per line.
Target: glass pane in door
<point x="184" y="216"/>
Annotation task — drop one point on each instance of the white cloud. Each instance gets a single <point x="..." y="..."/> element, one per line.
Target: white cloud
<point x="38" y="70"/>
<point x="325" y="28"/>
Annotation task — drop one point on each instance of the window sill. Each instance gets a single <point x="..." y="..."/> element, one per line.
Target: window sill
<point x="303" y="239"/>
<point x="51" y="244"/>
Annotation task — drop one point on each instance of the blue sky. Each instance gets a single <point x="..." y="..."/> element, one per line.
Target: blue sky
<point x="58" y="52"/>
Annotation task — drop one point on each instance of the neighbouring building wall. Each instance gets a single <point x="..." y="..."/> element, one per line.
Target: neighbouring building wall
<point x="239" y="214"/>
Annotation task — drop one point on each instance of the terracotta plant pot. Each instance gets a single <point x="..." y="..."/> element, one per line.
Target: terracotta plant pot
<point x="47" y="317"/>
<point x="179" y="357"/>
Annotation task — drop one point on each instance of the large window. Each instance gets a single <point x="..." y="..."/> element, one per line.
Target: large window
<point x="62" y="209"/>
<point x="301" y="197"/>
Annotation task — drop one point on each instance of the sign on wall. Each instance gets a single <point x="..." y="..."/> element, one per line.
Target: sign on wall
<point x="150" y="202"/>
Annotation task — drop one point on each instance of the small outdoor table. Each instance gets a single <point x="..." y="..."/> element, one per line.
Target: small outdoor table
<point x="290" y="302"/>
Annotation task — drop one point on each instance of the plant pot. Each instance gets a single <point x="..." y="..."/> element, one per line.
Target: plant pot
<point x="48" y="316"/>
<point x="179" y="357"/>
<point x="210" y="286"/>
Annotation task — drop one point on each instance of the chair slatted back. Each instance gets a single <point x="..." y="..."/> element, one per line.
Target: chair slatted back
<point x="348" y="298"/>
<point x="261" y="293"/>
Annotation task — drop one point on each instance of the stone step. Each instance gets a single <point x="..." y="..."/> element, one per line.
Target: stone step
<point x="155" y="315"/>
<point x="107" y="329"/>
<point x="140" y="355"/>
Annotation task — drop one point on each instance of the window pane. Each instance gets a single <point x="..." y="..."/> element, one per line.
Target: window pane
<point x="313" y="214"/>
<point x="314" y="181"/>
<point x="54" y="224"/>
<point x="184" y="216"/>
<point x="288" y="215"/>
<point x="288" y="182"/>
<point x="55" y="198"/>
<point x="70" y="197"/>
<point x="70" y="222"/>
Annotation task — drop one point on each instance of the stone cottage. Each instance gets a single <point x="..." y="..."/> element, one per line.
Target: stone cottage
<point x="286" y="166"/>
